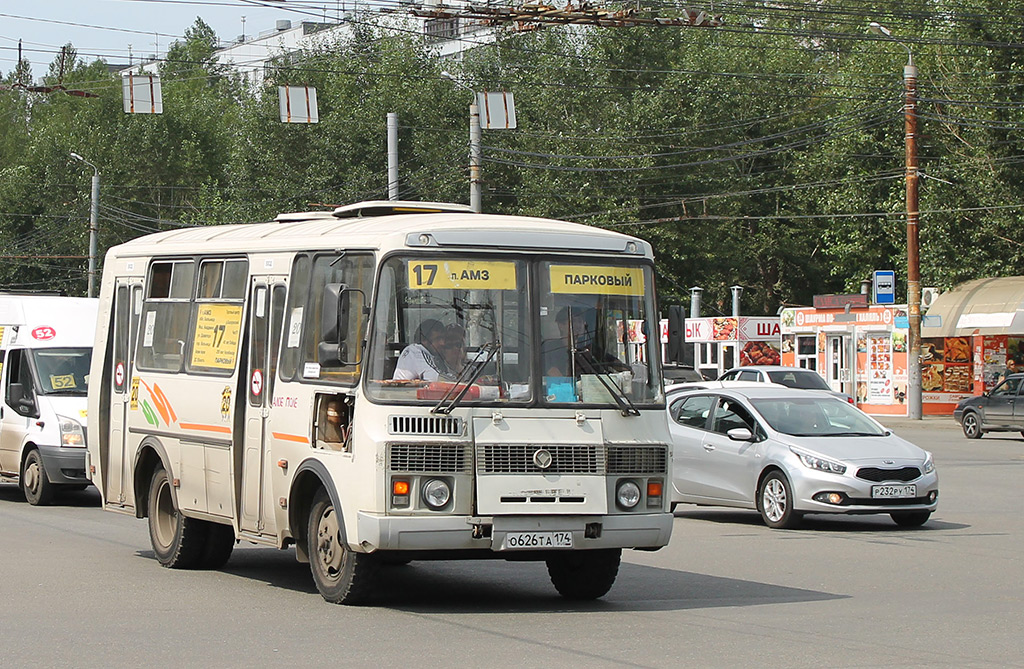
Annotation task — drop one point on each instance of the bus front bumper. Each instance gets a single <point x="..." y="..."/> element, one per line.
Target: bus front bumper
<point x="445" y="533"/>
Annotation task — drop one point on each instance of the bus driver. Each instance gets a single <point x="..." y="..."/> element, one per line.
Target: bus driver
<point x="423" y="359"/>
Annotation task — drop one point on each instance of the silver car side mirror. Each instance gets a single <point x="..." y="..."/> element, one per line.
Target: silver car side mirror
<point x="740" y="434"/>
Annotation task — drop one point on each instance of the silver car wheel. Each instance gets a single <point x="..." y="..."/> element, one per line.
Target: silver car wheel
<point x="773" y="500"/>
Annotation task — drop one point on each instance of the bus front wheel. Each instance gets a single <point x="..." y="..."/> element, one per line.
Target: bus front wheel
<point x="584" y="574"/>
<point x="341" y="575"/>
<point x="178" y="541"/>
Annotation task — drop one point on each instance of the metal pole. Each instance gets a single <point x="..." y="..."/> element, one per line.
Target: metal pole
<point x="392" y="156"/>
<point x="695" y="301"/>
<point x="736" y="292"/>
<point x="474" y="157"/>
<point x="913" y="261"/>
<point x="93" y="230"/>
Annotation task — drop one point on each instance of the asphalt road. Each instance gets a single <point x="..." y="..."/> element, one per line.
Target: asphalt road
<point x="81" y="588"/>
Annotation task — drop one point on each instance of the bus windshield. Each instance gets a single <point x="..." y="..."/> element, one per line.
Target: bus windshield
<point x="509" y="330"/>
<point x="63" y="371"/>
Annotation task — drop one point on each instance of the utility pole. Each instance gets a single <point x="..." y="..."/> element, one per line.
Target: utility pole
<point x="913" y="259"/>
<point x="475" y="152"/>
<point x="913" y="217"/>
<point x="474" y="157"/>
<point x="94" y="207"/>
<point x="392" y="156"/>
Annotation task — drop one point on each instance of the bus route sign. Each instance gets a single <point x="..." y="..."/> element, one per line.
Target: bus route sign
<point x="597" y="280"/>
<point x="464" y="274"/>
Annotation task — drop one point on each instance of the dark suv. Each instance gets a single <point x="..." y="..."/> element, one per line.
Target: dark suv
<point x="999" y="410"/>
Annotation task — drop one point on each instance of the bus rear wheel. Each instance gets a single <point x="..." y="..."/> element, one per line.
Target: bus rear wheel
<point x="341" y="575"/>
<point x="584" y="574"/>
<point x="178" y="541"/>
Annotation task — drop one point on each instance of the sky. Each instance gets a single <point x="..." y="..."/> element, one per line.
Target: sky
<point x="111" y="29"/>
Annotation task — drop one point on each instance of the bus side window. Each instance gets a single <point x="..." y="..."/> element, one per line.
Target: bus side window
<point x="298" y="294"/>
<point x="166" y="315"/>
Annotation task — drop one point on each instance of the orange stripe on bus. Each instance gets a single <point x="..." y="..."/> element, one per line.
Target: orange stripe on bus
<point x="206" y="428"/>
<point x="166" y="402"/>
<point x="290" y="437"/>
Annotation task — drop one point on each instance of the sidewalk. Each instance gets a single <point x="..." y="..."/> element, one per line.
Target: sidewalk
<point x="926" y="422"/>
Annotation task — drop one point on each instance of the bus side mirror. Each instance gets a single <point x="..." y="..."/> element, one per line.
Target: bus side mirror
<point x="332" y="351"/>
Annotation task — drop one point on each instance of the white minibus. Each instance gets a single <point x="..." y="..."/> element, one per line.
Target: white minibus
<point x="387" y="382"/>
<point x="45" y="352"/>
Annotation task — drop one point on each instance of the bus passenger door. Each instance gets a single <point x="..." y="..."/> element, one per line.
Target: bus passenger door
<point x="123" y="392"/>
<point x="267" y="307"/>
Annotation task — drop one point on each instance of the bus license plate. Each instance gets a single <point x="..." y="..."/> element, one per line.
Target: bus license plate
<point x="893" y="491"/>
<point x="521" y="540"/>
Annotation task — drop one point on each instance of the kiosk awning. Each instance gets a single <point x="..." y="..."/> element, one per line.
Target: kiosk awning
<point x="983" y="306"/>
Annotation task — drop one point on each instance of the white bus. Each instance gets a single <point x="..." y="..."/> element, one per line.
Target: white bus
<point x="392" y="381"/>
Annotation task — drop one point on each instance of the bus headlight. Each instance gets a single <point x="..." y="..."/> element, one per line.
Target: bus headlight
<point x="436" y="493"/>
<point x="71" y="432"/>
<point x="628" y="494"/>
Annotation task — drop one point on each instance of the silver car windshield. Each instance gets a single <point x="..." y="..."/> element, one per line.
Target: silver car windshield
<point x="816" y="417"/>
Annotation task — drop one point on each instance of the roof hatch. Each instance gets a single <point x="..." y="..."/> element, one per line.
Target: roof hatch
<point x="398" y="207"/>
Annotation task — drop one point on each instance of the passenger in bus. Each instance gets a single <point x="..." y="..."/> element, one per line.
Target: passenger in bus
<point x="555" y="352"/>
<point x="424" y="359"/>
<point x="454" y="351"/>
<point x="555" y="356"/>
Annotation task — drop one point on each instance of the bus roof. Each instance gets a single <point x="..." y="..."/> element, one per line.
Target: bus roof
<point x="448" y="230"/>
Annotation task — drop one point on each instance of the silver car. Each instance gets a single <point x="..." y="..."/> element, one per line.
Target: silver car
<point x="793" y="377"/>
<point x="788" y="452"/>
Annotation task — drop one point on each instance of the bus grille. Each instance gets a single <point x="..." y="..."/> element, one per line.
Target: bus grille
<point x="637" y="460"/>
<point x="442" y="426"/>
<point x="518" y="459"/>
<point x="440" y="458"/>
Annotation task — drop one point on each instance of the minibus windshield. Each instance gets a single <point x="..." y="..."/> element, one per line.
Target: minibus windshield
<point x="63" y="371"/>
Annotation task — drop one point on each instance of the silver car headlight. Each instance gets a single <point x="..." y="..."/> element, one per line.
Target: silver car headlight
<point x="71" y="432"/>
<point x="929" y="464"/>
<point x="819" y="463"/>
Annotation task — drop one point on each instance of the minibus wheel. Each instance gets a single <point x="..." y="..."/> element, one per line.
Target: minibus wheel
<point x="584" y="574"/>
<point x="37" y="487"/>
<point x="341" y="575"/>
<point x="178" y="541"/>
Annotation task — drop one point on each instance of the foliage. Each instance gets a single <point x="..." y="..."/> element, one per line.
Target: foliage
<point x="768" y="153"/>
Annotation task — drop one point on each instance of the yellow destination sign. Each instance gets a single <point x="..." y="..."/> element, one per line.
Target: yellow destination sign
<point x="216" y="336"/>
<point x="465" y="274"/>
<point x="597" y="280"/>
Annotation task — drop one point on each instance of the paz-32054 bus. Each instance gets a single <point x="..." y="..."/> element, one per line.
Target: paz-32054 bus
<point x="387" y="382"/>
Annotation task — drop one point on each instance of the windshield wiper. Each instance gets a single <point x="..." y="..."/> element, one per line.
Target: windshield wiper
<point x="469" y="374"/>
<point x="621" y="400"/>
<point x="857" y="434"/>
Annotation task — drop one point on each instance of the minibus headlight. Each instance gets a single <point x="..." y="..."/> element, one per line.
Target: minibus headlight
<point x="436" y="493"/>
<point x="71" y="432"/>
<point x="628" y="494"/>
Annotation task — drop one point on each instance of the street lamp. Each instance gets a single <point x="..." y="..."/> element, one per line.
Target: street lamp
<point x="93" y="211"/>
<point x="474" y="147"/>
<point x="913" y="260"/>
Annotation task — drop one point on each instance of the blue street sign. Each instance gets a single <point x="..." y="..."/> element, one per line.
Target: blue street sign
<point x="885" y="286"/>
